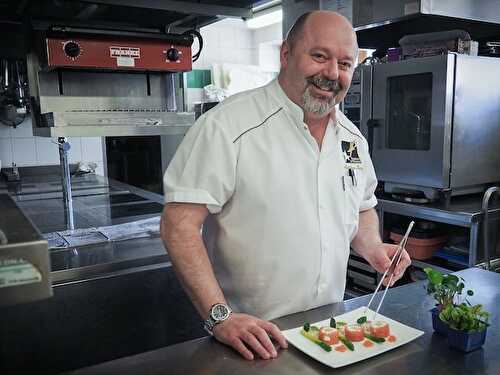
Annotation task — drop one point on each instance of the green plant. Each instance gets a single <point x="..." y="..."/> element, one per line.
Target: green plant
<point x="446" y="289"/>
<point x="457" y="314"/>
<point x="465" y="317"/>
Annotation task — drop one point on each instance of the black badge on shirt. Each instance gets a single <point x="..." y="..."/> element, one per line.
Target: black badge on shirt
<point x="351" y="155"/>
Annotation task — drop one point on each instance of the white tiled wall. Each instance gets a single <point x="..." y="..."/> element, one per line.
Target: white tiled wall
<point x="267" y="34"/>
<point x="21" y="147"/>
<point x="231" y="41"/>
<point x="226" y="41"/>
<point x="267" y="41"/>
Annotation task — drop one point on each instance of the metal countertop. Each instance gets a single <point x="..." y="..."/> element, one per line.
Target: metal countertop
<point x="97" y="201"/>
<point x="408" y="304"/>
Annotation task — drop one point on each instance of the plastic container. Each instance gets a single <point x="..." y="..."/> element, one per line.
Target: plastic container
<point x="394" y="54"/>
<point x="438" y="325"/>
<point x="466" y="341"/>
<point x="420" y="248"/>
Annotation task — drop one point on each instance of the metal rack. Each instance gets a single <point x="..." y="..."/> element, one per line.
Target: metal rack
<point x="464" y="212"/>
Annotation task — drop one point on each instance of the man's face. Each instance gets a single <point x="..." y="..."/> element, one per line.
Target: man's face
<point x="318" y="68"/>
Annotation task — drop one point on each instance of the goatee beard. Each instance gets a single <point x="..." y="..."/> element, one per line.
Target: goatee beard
<point x="320" y="106"/>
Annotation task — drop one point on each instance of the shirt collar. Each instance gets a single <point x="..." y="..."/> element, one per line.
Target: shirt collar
<point x="293" y="109"/>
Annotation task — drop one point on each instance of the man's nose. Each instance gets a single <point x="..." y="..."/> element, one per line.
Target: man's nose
<point x="332" y="70"/>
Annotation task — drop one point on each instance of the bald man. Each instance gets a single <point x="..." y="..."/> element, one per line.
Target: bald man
<point x="288" y="185"/>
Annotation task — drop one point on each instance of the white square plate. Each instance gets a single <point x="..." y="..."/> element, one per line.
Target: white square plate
<point x="403" y="333"/>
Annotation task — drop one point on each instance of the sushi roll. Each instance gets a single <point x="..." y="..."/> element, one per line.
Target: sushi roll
<point x="367" y="328"/>
<point x="341" y="329"/>
<point x="354" y="332"/>
<point x="380" y="328"/>
<point x="329" y="335"/>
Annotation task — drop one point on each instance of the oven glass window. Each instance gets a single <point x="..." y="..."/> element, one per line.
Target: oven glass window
<point x="408" y="112"/>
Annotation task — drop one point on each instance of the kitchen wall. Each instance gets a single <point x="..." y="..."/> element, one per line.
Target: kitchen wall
<point x="21" y="147"/>
<point x="268" y="42"/>
<point x="231" y="41"/>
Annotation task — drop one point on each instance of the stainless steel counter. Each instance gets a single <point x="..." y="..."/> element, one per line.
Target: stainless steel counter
<point x="111" y="299"/>
<point x="97" y="201"/>
<point x="408" y="304"/>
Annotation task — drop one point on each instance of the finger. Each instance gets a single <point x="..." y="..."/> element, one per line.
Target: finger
<point x="264" y="340"/>
<point x="391" y="250"/>
<point x="255" y="345"/>
<point x="241" y="348"/>
<point x="276" y="334"/>
<point x="382" y="263"/>
<point x="386" y="281"/>
<point x="403" y="264"/>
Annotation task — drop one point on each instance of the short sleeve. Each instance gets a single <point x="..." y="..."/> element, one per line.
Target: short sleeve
<point x="203" y="168"/>
<point x="369" y="199"/>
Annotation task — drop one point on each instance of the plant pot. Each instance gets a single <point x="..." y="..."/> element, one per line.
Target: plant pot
<point x="420" y="248"/>
<point x="466" y="341"/>
<point x="438" y="325"/>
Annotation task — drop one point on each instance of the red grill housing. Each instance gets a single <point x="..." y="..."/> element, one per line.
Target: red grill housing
<point x="116" y="53"/>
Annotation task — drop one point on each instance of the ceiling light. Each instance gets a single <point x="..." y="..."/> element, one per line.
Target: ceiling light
<point x="265" y="19"/>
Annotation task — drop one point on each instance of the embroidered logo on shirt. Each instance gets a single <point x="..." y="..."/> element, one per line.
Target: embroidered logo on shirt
<point x="351" y="155"/>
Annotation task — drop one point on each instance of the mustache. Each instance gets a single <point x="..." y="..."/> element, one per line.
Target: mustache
<point x="323" y="82"/>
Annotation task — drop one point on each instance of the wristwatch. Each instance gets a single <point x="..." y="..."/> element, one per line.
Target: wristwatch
<point x="218" y="313"/>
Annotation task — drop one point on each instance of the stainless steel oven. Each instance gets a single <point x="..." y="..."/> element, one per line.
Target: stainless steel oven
<point x="433" y="123"/>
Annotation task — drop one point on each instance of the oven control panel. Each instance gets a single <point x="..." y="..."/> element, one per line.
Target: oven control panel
<point x="117" y="53"/>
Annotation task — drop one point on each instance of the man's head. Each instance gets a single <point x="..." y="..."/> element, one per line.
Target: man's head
<point x="317" y="61"/>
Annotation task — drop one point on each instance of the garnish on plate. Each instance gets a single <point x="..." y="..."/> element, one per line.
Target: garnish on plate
<point x="361" y="320"/>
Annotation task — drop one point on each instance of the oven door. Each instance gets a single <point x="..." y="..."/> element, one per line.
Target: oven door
<point x="412" y="118"/>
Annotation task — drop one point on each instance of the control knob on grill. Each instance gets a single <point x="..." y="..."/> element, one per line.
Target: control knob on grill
<point x="72" y="49"/>
<point x="173" y="54"/>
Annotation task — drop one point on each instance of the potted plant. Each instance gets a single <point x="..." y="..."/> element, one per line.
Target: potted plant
<point x="467" y="325"/>
<point x="464" y="324"/>
<point x="444" y="289"/>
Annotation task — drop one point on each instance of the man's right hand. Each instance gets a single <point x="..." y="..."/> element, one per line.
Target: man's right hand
<point x="244" y="332"/>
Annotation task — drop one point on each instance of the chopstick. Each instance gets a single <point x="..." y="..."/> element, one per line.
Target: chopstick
<point x="394" y="262"/>
<point x="390" y="279"/>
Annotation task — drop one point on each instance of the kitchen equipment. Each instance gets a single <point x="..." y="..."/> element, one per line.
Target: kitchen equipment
<point x="432" y="123"/>
<point x="11" y="174"/>
<point x="101" y="82"/>
<point x="24" y="257"/>
<point x="106" y="82"/>
<point x="486" y="229"/>
<point x="381" y="23"/>
<point x="13" y="88"/>
<point x="438" y="43"/>
<point x="490" y="48"/>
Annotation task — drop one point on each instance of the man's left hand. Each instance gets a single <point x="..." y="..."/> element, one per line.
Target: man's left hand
<point x="380" y="259"/>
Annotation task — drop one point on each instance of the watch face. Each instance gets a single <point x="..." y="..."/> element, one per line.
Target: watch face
<point x="220" y="312"/>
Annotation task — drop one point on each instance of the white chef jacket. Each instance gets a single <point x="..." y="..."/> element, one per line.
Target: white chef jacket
<point x="284" y="212"/>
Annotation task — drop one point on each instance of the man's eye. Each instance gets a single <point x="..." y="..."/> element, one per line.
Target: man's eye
<point x="345" y="65"/>
<point x="318" y="56"/>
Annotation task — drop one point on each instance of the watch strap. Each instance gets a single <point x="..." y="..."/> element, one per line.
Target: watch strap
<point x="210" y="322"/>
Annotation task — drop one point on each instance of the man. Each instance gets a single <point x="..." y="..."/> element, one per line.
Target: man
<point x="270" y="165"/>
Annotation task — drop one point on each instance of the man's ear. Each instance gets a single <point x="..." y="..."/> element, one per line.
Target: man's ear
<point x="284" y="54"/>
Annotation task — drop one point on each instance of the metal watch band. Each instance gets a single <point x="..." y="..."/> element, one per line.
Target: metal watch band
<point x="210" y="323"/>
